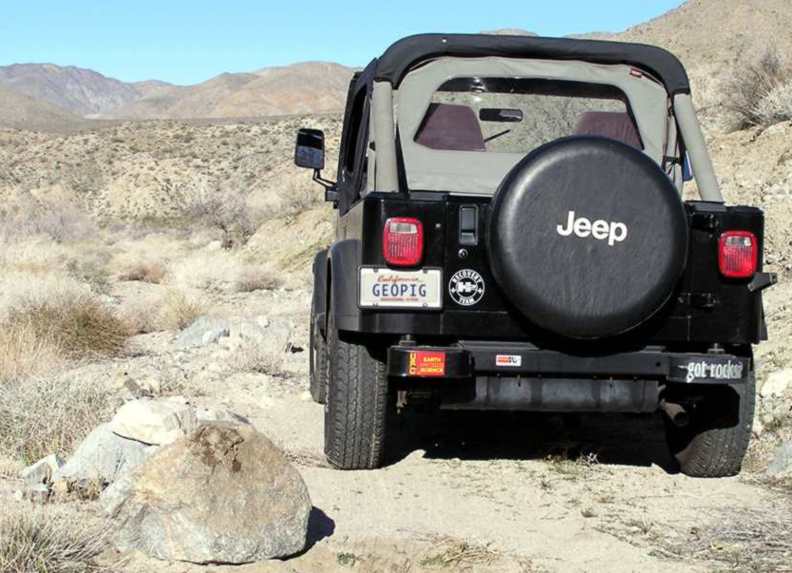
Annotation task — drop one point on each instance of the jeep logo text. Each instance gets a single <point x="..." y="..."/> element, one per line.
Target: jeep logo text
<point x="599" y="229"/>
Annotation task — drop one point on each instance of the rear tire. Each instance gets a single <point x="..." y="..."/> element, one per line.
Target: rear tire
<point x="715" y="442"/>
<point x="319" y="367"/>
<point x="357" y="403"/>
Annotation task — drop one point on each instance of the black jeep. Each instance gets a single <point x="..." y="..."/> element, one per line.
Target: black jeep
<point x="512" y="235"/>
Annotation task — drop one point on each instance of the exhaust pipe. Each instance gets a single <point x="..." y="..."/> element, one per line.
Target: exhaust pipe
<point x="676" y="413"/>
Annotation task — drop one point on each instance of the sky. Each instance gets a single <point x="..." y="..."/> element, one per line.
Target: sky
<point x="189" y="41"/>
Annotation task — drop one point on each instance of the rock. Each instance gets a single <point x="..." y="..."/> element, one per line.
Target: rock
<point x="211" y="415"/>
<point x="204" y="330"/>
<point x="757" y="428"/>
<point x="155" y="422"/>
<point x="782" y="460"/>
<point x="103" y="456"/>
<point x="37" y="494"/>
<point x="777" y="383"/>
<point x="223" y="494"/>
<point x="42" y="471"/>
<point x="270" y="335"/>
<point x="150" y="386"/>
<point x="279" y="335"/>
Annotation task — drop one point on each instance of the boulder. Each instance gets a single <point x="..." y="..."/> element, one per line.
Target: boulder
<point x="210" y="415"/>
<point x="272" y="335"/>
<point x="223" y="494"/>
<point x="782" y="460"/>
<point x="155" y="422"/>
<point x="777" y="383"/>
<point x="42" y="471"/>
<point x="203" y="330"/>
<point x="102" y="456"/>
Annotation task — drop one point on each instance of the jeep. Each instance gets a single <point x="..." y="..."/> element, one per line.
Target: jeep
<point x="512" y="234"/>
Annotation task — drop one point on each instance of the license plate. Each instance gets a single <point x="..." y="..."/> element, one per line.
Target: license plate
<point x="386" y="288"/>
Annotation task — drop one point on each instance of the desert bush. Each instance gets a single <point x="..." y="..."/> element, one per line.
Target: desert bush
<point x="776" y="106"/>
<point x="257" y="358"/>
<point x="761" y="95"/>
<point x="227" y="212"/>
<point x="10" y="468"/>
<point x="49" y="542"/>
<point x="177" y="311"/>
<point x="212" y="270"/>
<point x="91" y="270"/>
<point x="146" y="271"/>
<point x="26" y="215"/>
<point x="44" y="415"/>
<point x="256" y="278"/>
<point x="24" y="353"/>
<point x="80" y="326"/>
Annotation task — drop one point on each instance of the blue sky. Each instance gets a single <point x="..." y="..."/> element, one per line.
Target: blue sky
<point x="185" y="41"/>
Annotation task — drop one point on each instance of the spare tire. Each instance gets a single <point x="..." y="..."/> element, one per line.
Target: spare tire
<point x="588" y="237"/>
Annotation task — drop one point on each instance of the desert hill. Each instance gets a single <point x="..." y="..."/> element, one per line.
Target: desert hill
<point x="19" y="111"/>
<point x="270" y="91"/>
<point x="714" y="38"/>
<point x="72" y="91"/>
<point x="77" y="90"/>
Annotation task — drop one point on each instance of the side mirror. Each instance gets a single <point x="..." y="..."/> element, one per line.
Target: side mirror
<point x="309" y="151"/>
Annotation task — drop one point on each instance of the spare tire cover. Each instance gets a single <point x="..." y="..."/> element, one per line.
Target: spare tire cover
<point x="588" y="237"/>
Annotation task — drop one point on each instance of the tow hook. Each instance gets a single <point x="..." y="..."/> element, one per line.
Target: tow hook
<point x="676" y="413"/>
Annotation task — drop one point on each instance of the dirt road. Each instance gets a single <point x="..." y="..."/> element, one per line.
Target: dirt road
<point x="479" y="491"/>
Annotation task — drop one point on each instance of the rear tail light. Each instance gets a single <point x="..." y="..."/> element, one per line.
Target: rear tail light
<point x="738" y="253"/>
<point x="402" y="241"/>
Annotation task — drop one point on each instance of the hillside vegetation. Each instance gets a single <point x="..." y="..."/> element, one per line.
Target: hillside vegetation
<point x="170" y="259"/>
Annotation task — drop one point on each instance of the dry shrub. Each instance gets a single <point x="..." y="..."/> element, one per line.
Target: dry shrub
<point x="178" y="311"/>
<point x="740" y="541"/>
<point x="80" y="326"/>
<point x="762" y="94"/>
<point x="776" y="106"/>
<point x="10" y="468"/>
<point x="146" y="271"/>
<point x="227" y="212"/>
<point x="212" y="270"/>
<point x="24" y="353"/>
<point x="256" y="278"/>
<point x="49" y="542"/>
<point x="257" y="358"/>
<point x="40" y="416"/>
<point x="26" y="215"/>
<point x="92" y="271"/>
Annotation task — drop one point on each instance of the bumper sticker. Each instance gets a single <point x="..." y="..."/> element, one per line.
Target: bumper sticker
<point x="426" y="364"/>
<point x="508" y="360"/>
<point x="466" y="287"/>
<point x="712" y="370"/>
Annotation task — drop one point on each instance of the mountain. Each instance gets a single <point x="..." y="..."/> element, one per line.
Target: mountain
<point x="77" y="90"/>
<point x="714" y="38"/>
<point x="315" y="87"/>
<point x="310" y="87"/>
<point x="19" y="111"/>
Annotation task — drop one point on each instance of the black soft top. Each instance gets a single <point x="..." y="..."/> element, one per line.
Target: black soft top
<point x="412" y="50"/>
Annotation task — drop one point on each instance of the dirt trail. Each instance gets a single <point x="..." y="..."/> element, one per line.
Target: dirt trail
<point x="596" y="494"/>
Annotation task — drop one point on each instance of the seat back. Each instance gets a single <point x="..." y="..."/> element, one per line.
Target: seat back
<point x="614" y="125"/>
<point x="451" y="127"/>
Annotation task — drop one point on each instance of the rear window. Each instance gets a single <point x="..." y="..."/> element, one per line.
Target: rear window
<point x="517" y="115"/>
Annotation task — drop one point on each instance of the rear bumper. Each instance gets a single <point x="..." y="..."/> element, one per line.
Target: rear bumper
<point x="471" y="359"/>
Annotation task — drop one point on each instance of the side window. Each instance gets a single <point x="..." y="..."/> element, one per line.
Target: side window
<point x="353" y="132"/>
<point x="352" y="160"/>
